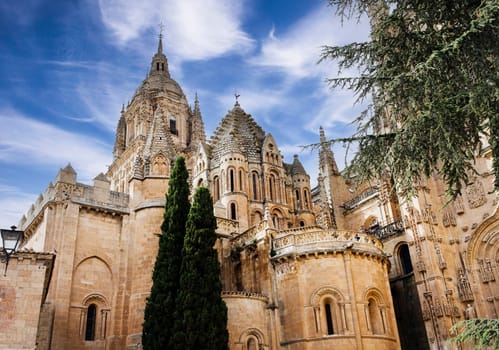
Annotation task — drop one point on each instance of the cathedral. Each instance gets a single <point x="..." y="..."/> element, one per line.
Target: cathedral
<point x="338" y="266"/>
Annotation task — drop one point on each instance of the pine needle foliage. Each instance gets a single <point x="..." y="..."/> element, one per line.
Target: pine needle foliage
<point x="201" y="315"/>
<point x="483" y="333"/>
<point x="157" y="333"/>
<point x="430" y="70"/>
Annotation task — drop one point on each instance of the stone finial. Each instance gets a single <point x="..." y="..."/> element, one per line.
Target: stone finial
<point x="67" y="174"/>
<point x="101" y="181"/>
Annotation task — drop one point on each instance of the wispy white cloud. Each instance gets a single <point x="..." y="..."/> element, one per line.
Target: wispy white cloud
<point x="200" y="29"/>
<point x="336" y="110"/>
<point x="255" y="101"/>
<point x="37" y="143"/>
<point x="92" y="91"/>
<point x="296" y="51"/>
<point x="13" y="202"/>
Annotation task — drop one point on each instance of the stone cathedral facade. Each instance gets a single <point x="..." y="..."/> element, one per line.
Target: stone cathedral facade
<point x="338" y="266"/>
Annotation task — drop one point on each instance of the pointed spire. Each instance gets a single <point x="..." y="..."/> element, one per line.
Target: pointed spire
<point x="198" y="134"/>
<point x="196" y="102"/>
<point x="326" y="155"/>
<point x="159" y="64"/>
<point x="322" y="134"/>
<point x="160" y="44"/>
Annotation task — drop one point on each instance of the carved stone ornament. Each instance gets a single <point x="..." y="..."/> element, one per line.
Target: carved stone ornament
<point x="285" y="268"/>
<point x="426" y="311"/>
<point x="459" y="205"/>
<point x="448" y="217"/>
<point x="464" y="287"/>
<point x="476" y="194"/>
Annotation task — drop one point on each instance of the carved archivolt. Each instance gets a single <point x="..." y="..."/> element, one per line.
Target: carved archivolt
<point x="484" y="243"/>
<point x="97" y="298"/>
<point x="374" y="293"/>
<point x="254" y="333"/>
<point x="317" y="296"/>
<point x="482" y="263"/>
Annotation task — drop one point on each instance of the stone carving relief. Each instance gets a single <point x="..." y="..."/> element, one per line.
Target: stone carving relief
<point x="486" y="270"/>
<point x="475" y="194"/>
<point x="285" y="268"/>
<point x="459" y="205"/>
<point x="437" y="309"/>
<point x="426" y="311"/>
<point x="160" y="165"/>
<point x="463" y="287"/>
<point x="448" y="217"/>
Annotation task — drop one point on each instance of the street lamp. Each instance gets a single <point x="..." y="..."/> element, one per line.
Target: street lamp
<point x="10" y="241"/>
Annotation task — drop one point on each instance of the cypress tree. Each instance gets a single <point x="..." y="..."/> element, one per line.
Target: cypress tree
<point x="201" y="315"/>
<point x="160" y="307"/>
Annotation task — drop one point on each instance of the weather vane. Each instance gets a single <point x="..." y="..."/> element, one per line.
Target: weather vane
<point x="236" y="95"/>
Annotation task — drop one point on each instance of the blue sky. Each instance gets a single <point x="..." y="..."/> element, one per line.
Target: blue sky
<point x="68" y="66"/>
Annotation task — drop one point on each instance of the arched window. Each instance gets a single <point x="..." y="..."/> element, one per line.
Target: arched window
<point x="251" y="339"/>
<point x="298" y="201"/>
<point x="90" y="324"/>
<point x="241" y="188"/>
<point x="233" y="213"/>
<point x="405" y="259"/>
<point x="254" y="182"/>
<point x="329" y="317"/>
<point x="272" y="187"/>
<point x="375" y="312"/>
<point x="216" y="188"/>
<point x="231" y="180"/>
<point x="375" y="316"/>
<point x="302" y="223"/>
<point x="173" y="125"/>
<point x="329" y="311"/>
<point x="305" y="198"/>
<point x="251" y="344"/>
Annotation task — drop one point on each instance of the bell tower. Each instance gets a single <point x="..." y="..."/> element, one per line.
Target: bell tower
<point x="156" y="126"/>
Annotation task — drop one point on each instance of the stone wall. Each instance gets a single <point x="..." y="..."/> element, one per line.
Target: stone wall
<point x="22" y="292"/>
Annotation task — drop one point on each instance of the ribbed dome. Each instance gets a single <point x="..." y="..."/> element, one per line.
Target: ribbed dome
<point x="237" y="132"/>
<point x="159" y="79"/>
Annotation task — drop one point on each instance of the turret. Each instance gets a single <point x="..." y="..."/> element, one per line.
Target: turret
<point x="159" y="64"/>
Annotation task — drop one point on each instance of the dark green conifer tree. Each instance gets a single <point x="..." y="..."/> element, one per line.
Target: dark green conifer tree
<point x="160" y="307"/>
<point x="201" y="316"/>
<point x="430" y="69"/>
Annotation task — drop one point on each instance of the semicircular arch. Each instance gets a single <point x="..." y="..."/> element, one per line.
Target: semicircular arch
<point x="322" y="292"/>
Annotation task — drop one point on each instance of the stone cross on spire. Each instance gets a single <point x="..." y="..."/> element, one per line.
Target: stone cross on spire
<point x="236" y="95"/>
<point x="159" y="64"/>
